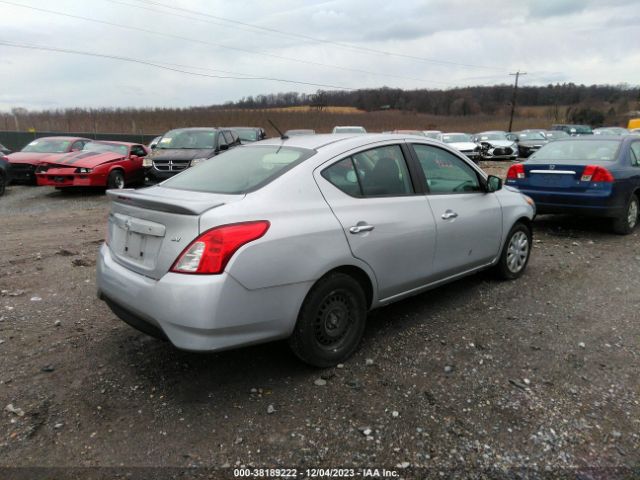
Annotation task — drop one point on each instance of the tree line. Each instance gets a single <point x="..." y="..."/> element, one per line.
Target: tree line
<point x="457" y="101"/>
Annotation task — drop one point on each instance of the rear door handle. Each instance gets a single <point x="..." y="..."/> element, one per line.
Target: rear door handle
<point x="449" y="214"/>
<point x="361" y="228"/>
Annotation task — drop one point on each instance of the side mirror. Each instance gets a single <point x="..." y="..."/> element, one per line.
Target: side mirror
<point x="153" y="147"/>
<point x="493" y="183"/>
<point x="224" y="147"/>
<point x="133" y="157"/>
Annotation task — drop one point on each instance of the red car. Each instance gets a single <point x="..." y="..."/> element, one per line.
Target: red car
<point x="98" y="164"/>
<point x="25" y="162"/>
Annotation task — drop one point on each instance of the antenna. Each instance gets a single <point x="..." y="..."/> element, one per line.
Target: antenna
<point x="282" y="135"/>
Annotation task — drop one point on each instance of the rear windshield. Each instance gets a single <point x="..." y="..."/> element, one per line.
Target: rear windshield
<point x="578" y="151"/>
<point x="47" y="145"/>
<point x="239" y="170"/>
<point x="456" y="138"/>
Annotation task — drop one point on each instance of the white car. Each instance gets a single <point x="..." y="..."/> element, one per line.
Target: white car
<point x="435" y="134"/>
<point x="498" y="145"/>
<point x="463" y="142"/>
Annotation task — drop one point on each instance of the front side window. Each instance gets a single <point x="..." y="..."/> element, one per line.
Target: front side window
<point x="445" y="173"/>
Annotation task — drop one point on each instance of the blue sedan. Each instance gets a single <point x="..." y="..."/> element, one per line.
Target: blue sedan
<point x="587" y="176"/>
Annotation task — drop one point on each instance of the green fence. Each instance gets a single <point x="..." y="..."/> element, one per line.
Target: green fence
<point x="16" y="140"/>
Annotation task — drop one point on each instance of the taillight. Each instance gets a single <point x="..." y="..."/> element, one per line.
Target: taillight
<point x="211" y="251"/>
<point x="596" y="173"/>
<point x="515" y="172"/>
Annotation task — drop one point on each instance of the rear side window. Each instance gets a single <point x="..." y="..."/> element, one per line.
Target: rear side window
<point x="379" y="172"/>
<point x="343" y="176"/>
<point x="383" y="172"/>
<point x="239" y="170"/>
<point x="446" y="173"/>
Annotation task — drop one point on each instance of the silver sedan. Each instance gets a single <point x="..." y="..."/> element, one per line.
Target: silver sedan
<point x="299" y="238"/>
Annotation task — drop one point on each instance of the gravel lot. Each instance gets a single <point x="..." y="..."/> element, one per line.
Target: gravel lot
<point x="539" y="374"/>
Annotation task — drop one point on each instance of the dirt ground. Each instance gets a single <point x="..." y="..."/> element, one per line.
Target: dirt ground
<point x="536" y="377"/>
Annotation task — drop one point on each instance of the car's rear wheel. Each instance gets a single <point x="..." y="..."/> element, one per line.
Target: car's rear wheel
<point x="116" y="179"/>
<point x="3" y="183"/>
<point x="515" y="253"/>
<point x="627" y="221"/>
<point x="331" y="321"/>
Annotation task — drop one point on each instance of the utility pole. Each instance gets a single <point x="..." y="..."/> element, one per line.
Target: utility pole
<point x="513" y="100"/>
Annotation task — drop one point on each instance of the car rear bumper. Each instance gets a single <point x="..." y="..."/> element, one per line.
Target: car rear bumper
<point x="595" y="203"/>
<point x="64" y="180"/>
<point x="198" y="312"/>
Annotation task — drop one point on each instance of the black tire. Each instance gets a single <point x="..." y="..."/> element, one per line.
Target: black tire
<point x="115" y="179"/>
<point x="3" y="183"/>
<point x="626" y="223"/>
<point x="331" y="321"/>
<point x="513" y="259"/>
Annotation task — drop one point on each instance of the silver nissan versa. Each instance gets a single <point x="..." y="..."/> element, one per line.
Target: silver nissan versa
<point x="298" y="238"/>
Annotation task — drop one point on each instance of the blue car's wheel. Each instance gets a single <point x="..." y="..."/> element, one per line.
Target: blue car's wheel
<point x="627" y="221"/>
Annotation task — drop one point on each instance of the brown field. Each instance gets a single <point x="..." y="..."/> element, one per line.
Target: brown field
<point x="156" y="121"/>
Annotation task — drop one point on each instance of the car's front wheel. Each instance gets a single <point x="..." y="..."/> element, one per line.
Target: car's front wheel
<point x="515" y="253"/>
<point x="116" y="179"/>
<point x="331" y="321"/>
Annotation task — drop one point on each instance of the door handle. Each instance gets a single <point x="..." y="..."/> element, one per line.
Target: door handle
<point x="361" y="228"/>
<point x="449" y="214"/>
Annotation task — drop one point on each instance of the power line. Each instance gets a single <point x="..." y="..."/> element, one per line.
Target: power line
<point x="311" y="38"/>
<point x="160" y="65"/>
<point x="203" y="42"/>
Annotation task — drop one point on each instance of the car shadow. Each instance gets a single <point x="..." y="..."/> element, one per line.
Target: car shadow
<point x="198" y="377"/>
<point x="572" y="226"/>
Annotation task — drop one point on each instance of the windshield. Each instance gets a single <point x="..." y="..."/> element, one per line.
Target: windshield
<point x="492" y="136"/>
<point x="47" y="145"/>
<point x="247" y="134"/>
<point x="456" y="138"/>
<point x="578" y="151"/>
<point x="531" y="136"/>
<point x="556" y="134"/>
<point x="105" y="147"/>
<point x="239" y="170"/>
<point x="189" y="139"/>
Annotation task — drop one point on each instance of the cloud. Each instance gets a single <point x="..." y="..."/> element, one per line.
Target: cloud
<point x="582" y="41"/>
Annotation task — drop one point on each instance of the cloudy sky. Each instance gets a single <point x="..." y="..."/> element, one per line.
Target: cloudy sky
<point x="266" y="46"/>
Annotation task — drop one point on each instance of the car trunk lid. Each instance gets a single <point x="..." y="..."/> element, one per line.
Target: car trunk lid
<point x="149" y="228"/>
<point x="555" y="176"/>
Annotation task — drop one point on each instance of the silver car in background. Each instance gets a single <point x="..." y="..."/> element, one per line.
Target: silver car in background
<point x="299" y="238"/>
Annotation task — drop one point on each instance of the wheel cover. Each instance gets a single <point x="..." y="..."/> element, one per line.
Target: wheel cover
<point x="632" y="213"/>
<point x="517" y="252"/>
<point x="119" y="181"/>
<point x="334" y="320"/>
